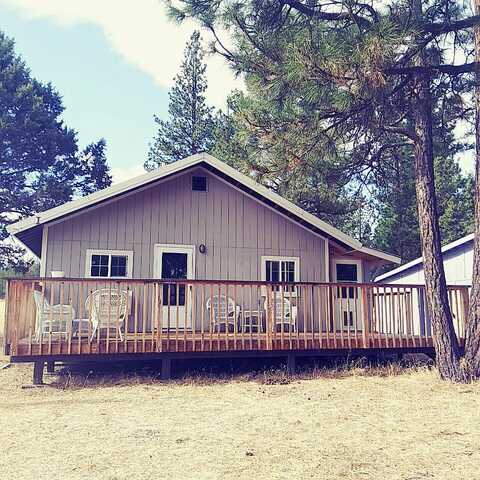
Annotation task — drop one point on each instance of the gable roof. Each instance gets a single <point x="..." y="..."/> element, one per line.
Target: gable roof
<point x="419" y="261"/>
<point x="28" y="228"/>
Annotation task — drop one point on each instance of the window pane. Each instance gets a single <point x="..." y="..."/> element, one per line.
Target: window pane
<point x="275" y="271"/>
<point x="119" y="266"/>
<point x="346" y="272"/>
<point x="288" y="271"/>
<point x="99" y="266"/>
<point x="174" y="265"/>
<point x="170" y="295"/>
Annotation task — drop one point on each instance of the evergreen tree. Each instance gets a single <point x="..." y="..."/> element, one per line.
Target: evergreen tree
<point x="357" y="78"/>
<point x="319" y="186"/>
<point x="397" y="228"/>
<point x="96" y="173"/>
<point x="40" y="166"/>
<point x="189" y="127"/>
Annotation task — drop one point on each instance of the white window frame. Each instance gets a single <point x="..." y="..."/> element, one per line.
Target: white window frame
<point x="160" y="248"/>
<point x="348" y="261"/>
<point x="126" y="253"/>
<point x="280" y="258"/>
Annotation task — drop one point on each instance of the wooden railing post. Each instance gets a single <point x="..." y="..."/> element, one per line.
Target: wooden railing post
<point x="365" y="325"/>
<point x="269" y="317"/>
<point x="465" y="309"/>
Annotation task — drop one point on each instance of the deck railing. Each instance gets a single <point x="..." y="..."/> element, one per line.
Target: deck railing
<point x="89" y="316"/>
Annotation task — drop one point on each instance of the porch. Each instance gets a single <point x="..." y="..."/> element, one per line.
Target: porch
<point x="52" y="318"/>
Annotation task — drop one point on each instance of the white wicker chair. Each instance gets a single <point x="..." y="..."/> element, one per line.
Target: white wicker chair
<point x="52" y="319"/>
<point x="109" y="309"/>
<point x="285" y="315"/>
<point x="222" y="310"/>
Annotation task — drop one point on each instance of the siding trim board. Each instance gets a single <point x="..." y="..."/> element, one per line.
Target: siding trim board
<point x="43" y="257"/>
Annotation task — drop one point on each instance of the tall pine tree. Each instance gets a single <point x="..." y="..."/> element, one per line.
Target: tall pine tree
<point x="189" y="127"/>
<point x="40" y="165"/>
<point x="357" y="77"/>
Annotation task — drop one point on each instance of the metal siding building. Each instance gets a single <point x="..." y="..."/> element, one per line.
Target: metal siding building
<point x="457" y="261"/>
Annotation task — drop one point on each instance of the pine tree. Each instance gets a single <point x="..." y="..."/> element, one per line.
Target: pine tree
<point x="189" y="127"/>
<point x="357" y="77"/>
<point x="397" y="229"/>
<point x="40" y="166"/>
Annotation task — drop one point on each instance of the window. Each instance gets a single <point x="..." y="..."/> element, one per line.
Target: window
<point x="109" y="264"/>
<point x="281" y="269"/>
<point x="347" y="273"/>
<point x="199" y="184"/>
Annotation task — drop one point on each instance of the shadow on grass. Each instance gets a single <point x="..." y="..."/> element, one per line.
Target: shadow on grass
<point x="216" y="371"/>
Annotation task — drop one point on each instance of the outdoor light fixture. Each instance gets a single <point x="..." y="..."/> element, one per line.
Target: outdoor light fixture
<point x="202" y="248"/>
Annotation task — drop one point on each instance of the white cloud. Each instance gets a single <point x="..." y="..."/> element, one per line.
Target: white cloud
<point x="120" y="174"/>
<point x="138" y="30"/>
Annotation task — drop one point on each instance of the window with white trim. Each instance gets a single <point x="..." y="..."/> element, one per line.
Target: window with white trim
<point x="281" y="269"/>
<point x="109" y="264"/>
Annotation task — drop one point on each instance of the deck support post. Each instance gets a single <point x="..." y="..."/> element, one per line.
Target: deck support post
<point x="291" y="364"/>
<point x="38" y="373"/>
<point x="166" y="372"/>
<point x="51" y="367"/>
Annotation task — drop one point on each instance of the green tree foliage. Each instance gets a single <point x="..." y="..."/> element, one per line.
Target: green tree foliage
<point x="322" y="120"/>
<point x="320" y="186"/>
<point x="397" y="228"/>
<point x="356" y="81"/>
<point x="189" y="127"/>
<point x="40" y="166"/>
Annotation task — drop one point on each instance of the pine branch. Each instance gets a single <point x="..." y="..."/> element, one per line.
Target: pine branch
<point x="317" y="14"/>
<point x="447" y="27"/>
<point x="452" y="70"/>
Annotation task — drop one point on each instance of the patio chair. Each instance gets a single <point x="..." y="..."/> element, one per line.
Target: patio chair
<point x="223" y="311"/>
<point x="285" y="315"/>
<point x="51" y="319"/>
<point x="109" y="309"/>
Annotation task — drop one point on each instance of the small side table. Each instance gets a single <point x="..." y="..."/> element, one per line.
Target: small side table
<point x="252" y="321"/>
<point x="86" y="327"/>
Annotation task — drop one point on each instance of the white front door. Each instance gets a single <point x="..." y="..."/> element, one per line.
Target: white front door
<point x="347" y="305"/>
<point x="174" y="262"/>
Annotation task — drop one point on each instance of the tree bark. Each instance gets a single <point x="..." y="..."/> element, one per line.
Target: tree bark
<point x="472" y="331"/>
<point x="445" y="340"/>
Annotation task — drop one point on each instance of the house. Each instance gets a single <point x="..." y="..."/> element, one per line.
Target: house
<point x="457" y="262"/>
<point x="196" y="258"/>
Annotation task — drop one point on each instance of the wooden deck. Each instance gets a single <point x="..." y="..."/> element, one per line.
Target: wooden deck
<point x="171" y="317"/>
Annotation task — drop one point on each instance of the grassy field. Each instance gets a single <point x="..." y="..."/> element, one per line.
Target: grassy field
<point x="356" y="424"/>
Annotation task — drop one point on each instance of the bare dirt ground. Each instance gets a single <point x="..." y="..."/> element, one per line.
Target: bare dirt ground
<point x="355" y="424"/>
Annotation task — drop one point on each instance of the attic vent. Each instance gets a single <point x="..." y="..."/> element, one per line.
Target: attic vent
<point x="199" y="184"/>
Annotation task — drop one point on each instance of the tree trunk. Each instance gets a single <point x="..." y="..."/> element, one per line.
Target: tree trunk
<point x="445" y="340"/>
<point x="472" y="331"/>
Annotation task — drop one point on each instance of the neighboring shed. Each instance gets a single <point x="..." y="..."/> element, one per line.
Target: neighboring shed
<point x="457" y="261"/>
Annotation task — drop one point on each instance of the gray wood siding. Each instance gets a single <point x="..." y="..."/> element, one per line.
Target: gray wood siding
<point x="236" y="229"/>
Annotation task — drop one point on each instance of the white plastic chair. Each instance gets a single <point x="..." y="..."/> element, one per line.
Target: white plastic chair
<point x="222" y="310"/>
<point x="286" y="315"/>
<point x="51" y="319"/>
<point x="109" y="309"/>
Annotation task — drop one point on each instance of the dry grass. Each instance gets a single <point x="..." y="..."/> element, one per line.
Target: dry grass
<point x="356" y="423"/>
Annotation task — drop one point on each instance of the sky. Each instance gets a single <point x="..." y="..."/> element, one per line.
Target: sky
<point x="113" y="62"/>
